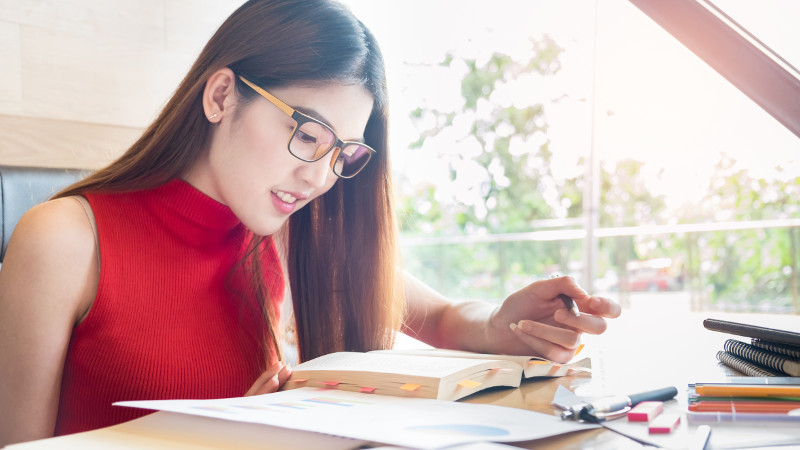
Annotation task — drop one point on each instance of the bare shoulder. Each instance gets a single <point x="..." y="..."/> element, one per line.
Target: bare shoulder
<point x="48" y="281"/>
<point x="51" y="257"/>
<point x="57" y="229"/>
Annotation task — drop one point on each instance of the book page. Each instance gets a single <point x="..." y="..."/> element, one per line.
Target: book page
<point x="395" y="363"/>
<point x="404" y="375"/>
<point x="532" y="366"/>
<point x="405" y="422"/>
<point x="445" y="353"/>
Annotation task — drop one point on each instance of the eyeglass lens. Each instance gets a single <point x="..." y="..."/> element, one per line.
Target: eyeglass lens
<point x="351" y="160"/>
<point x="311" y="141"/>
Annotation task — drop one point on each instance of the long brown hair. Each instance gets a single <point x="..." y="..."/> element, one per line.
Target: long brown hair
<point x="341" y="247"/>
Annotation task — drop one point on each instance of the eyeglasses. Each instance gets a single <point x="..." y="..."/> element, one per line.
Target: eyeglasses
<point x="311" y="140"/>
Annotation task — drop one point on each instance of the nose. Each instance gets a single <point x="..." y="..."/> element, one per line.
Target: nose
<point x="316" y="173"/>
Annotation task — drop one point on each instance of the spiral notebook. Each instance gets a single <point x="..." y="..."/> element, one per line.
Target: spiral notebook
<point x="771" y="352"/>
<point x="763" y="358"/>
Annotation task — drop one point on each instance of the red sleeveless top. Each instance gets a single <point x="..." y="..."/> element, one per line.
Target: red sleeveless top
<point x="170" y="320"/>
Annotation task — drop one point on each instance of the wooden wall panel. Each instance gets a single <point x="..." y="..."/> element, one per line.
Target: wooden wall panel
<point x="80" y="79"/>
<point x="30" y="141"/>
<point x="10" y="69"/>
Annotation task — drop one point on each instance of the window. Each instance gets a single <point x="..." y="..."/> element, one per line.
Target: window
<point x="510" y="121"/>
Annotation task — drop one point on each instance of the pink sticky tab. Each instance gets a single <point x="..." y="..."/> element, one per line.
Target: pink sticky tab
<point x="368" y="390"/>
<point x="664" y="423"/>
<point x="331" y="383"/>
<point x="645" y="411"/>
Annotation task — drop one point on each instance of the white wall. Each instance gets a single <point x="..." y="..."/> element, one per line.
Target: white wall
<point x="80" y="79"/>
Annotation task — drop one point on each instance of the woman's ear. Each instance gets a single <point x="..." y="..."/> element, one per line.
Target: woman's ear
<point x="219" y="94"/>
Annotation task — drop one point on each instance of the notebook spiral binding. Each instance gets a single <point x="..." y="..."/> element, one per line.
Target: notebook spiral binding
<point x="789" y="350"/>
<point x="743" y="366"/>
<point x="754" y="354"/>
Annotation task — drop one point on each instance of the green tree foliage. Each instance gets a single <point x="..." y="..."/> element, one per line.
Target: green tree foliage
<point x="508" y="187"/>
<point x="752" y="268"/>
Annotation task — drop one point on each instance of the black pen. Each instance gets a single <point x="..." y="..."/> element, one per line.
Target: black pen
<point x="570" y="304"/>
<point x="613" y="407"/>
<point x="567" y="300"/>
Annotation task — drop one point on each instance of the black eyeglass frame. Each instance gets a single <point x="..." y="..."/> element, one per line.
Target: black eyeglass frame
<point x="301" y="119"/>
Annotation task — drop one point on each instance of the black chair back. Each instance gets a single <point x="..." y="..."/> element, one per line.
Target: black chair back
<point x="24" y="187"/>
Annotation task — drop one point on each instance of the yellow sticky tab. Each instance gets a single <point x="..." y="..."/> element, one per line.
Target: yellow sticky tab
<point x="469" y="384"/>
<point x="410" y="387"/>
<point x="578" y="350"/>
<point x="539" y="362"/>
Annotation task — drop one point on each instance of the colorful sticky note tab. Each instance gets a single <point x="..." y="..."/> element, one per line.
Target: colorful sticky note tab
<point x="536" y="362"/>
<point x="469" y="384"/>
<point x="368" y="390"/>
<point x="664" y="424"/>
<point x="330" y="383"/>
<point x="578" y="350"/>
<point x="410" y="387"/>
<point x="645" y="411"/>
<point x="494" y="370"/>
<point x="298" y="380"/>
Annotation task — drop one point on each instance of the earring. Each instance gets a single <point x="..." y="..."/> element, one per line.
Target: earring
<point x="213" y="116"/>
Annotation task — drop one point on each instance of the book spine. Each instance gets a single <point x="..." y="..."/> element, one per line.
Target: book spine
<point x="792" y="351"/>
<point x="744" y="366"/>
<point x="762" y="357"/>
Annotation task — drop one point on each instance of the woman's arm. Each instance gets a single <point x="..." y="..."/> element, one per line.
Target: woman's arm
<point x="531" y="321"/>
<point x="48" y="281"/>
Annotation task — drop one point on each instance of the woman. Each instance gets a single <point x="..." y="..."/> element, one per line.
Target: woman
<point x="161" y="275"/>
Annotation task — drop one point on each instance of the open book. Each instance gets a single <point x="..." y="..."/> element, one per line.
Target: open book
<point x="423" y="373"/>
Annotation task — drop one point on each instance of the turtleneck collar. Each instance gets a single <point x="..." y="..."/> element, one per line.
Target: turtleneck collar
<point x="197" y="209"/>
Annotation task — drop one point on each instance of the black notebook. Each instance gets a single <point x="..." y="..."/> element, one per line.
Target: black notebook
<point x="744" y="366"/>
<point x="753" y="331"/>
<point x="774" y="362"/>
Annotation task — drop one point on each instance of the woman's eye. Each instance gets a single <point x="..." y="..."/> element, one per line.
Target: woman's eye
<point x="305" y="137"/>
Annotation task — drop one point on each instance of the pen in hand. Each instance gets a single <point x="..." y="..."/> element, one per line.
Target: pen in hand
<point x="570" y="304"/>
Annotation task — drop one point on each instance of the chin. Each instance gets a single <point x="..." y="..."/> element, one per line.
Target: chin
<point x="266" y="228"/>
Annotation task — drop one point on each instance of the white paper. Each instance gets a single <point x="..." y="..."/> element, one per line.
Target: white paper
<point x="409" y="422"/>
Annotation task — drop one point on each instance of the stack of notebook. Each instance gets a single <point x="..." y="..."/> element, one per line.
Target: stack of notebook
<point x="769" y="353"/>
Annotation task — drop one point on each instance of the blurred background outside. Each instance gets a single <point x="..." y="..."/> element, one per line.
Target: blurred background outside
<point x="523" y="124"/>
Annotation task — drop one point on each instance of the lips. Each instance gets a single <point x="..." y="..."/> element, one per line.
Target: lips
<point x="285" y="196"/>
<point x="285" y="202"/>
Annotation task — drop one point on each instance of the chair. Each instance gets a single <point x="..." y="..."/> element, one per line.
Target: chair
<point x="24" y="187"/>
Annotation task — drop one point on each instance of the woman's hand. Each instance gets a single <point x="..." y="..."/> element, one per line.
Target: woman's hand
<point x="272" y="379"/>
<point x="534" y="321"/>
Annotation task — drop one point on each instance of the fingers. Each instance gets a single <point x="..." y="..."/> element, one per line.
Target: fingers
<point x="585" y="323"/>
<point x="551" y="287"/>
<point x="604" y="307"/>
<point x="598" y="306"/>
<point x="553" y="343"/>
<point x="270" y="380"/>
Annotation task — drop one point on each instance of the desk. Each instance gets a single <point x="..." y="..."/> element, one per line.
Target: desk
<point x="642" y="350"/>
<point x="645" y="349"/>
